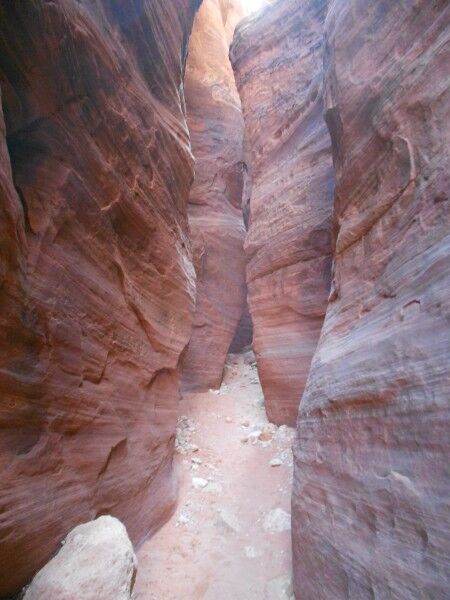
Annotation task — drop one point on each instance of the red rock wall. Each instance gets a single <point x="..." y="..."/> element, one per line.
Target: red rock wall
<point x="215" y="213"/>
<point x="232" y="12"/>
<point x="372" y="486"/>
<point x="277" y="57"/>
<point x="96" y="278"/>
<point x="244" y="333"/>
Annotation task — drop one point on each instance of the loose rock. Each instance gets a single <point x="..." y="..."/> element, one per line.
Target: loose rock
<point x="199" y="483"/>
<point x="95" y="562"/>
<point x="252" y="552"/>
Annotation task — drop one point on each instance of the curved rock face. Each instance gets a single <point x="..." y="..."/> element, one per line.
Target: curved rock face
<point x="277" y="57"/>
<point x="215" y="214"/>
<point x="97" y="283"/>
<point x="232" y="12"/>
<point x="372" y="487"/>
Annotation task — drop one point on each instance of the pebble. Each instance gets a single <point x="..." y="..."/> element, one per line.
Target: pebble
<point x="267" y="433"/>
<point x="265" y="436"/>
<point x="276" y="462"/>
<point x="228" y="420"/>
<point x="252" y="552"/>
<point x="254" y="435"/>
<point x="199" y="483"/>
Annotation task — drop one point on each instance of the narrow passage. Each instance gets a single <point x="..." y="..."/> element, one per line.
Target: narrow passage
<point x="230" y="537"/>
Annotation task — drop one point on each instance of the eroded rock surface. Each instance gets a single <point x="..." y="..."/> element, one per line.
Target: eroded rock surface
<point x="95" y="562"/>
<point x="97" y="283"/>
<point x="277" y="56"/>
<point x="372" y="486"/>
<point x="215" y="214"/>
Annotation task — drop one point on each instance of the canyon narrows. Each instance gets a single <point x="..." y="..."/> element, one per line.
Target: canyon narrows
<point x="277" y="57"/>
<point x="215" y="203"/>
<point x="175" y="178"/>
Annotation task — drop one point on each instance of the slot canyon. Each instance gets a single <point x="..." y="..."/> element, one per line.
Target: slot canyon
<point x="224" y="299"/>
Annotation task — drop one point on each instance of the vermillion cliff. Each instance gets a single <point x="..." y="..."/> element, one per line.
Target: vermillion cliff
<point x="277" y="57"/>
<point x="371" y="486"/>
<point x="215" y="203"/>
<point x="97" y="284"/>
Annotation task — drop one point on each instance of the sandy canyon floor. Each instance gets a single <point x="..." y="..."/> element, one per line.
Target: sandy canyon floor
<point x="230" y="537"/>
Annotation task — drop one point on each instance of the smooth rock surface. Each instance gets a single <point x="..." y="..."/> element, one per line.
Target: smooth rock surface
<point x="96" y="562"/>
<point x="372" y="484"/>
<point x="277" y="57"/>
<point x="215" y="203"/>
<point x="97" y="283"/>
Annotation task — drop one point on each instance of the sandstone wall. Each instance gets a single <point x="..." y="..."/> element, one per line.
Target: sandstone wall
<point x="96" y="279"/>
<point x="215" y="213"/>
<point x="277" y="57"/>
<point x="371" y="488"/>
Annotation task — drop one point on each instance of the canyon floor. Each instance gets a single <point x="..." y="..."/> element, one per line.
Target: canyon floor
<point x="230" y="537"/>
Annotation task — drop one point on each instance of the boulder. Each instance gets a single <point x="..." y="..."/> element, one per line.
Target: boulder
<point x="96" y="562"/>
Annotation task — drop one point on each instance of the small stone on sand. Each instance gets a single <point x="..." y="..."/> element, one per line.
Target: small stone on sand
<point x="199" y="483"/>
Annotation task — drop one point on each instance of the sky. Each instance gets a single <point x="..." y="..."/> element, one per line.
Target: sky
<point x="252" y="5"/>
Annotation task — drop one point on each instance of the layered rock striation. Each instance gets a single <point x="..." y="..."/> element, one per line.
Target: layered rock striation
<point x="277" y="56"/>
<point x="215" y="203"/>
<point x="372" y="486"/>
<point x="97" y="285"/>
